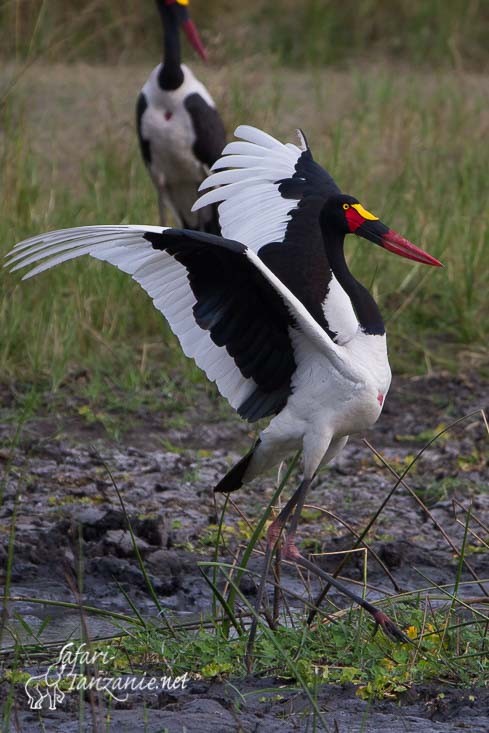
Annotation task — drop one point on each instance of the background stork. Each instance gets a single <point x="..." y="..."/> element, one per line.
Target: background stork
<point x="271" y="312"/>
<point x="180" y="131"/>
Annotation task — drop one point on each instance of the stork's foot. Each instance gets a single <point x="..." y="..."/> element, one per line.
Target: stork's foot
<point x="389" y="627"/>
<point x="291" y="553"/>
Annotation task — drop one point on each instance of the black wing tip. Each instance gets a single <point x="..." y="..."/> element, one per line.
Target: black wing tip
<point x="154" y="238"/>
<point x="234" y="478"/>
<point x="262" y="404"/>
<point x="173" y="233"/>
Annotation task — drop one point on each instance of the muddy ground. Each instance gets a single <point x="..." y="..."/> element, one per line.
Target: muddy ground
<point x="165" y="464"/>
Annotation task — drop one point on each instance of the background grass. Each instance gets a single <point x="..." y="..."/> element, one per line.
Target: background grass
<point x="409" y="142"/>
<point x="426" y="32"/>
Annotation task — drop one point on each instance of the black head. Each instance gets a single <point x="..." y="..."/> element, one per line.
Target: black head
<point x="343" y="214"/>
<point x="177" y="11"/>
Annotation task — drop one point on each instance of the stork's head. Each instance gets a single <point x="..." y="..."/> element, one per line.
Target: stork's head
<point x="178" y="9"/>
<point x="346" y="215"/>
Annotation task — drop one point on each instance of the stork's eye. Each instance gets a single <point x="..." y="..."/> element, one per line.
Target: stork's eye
<point x="346" y="206"/>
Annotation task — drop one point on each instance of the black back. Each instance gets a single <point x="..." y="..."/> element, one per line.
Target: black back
<point x="300" y="260"/>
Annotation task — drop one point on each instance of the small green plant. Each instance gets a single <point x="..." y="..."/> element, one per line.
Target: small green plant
<point x="444" y="647"/>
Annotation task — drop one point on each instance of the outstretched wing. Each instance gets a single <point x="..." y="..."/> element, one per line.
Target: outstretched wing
<point x="271" y="195"/>
<point x="228" y="310"/>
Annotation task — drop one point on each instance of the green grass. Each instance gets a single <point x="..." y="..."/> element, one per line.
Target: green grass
<point x="421" y="32"/>
<point x="336" y="653"/>
<point x="45" y="337"/>
<point x="425" y="32"/>
<point x="448" y="646"/>
<point x="410" y="146"/>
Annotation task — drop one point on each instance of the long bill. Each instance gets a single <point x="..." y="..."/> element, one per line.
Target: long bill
<point x="193" y="36"/>
<point x="377" y="232"/>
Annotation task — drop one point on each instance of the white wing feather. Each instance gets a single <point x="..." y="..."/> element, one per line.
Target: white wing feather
<point x="159" y="274"/>
<point x="252" y="210"/>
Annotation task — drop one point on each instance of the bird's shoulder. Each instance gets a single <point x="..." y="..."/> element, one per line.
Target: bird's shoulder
<point x="271" y="197"/>
<point x="210" y="133"/>
<point x="141" y="107"/>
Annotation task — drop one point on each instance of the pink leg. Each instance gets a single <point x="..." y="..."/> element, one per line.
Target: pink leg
<point x="291" y="553"/>
<point x="273" y="536"/>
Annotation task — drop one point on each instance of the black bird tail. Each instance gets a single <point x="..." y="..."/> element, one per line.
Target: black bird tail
<point x="234" y="478"/>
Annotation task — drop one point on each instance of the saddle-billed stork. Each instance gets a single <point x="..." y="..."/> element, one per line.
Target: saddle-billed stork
<point x="269" y="311"/>
<point x="180" y="131"/>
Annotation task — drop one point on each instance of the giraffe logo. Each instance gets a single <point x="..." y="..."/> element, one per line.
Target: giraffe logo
<point x="46" y="686"/>
<point x="40" y="687"/>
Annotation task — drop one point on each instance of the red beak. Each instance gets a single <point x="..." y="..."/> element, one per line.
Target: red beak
<point x="403" y="247"/>
<point x="193" y="36"/>
<point x="375" y="231"/>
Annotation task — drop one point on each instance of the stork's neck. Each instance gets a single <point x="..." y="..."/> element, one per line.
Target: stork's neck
<point x="171" y="75"/>
<point x="364" y="305"/>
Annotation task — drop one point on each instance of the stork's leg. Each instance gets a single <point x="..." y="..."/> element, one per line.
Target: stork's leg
<point x="273" y="537"/>
<point x="291" y="553"/>
<point x="162" y="206"/>
<point x="315" y="451"/>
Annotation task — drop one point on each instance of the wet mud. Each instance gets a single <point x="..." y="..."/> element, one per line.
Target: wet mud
<point x="64" y="476"/>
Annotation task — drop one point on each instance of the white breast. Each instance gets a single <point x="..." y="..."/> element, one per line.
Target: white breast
<point x="339" y="312"/>
<point x="167" y="126"/>
<point x="325" y="401"/>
